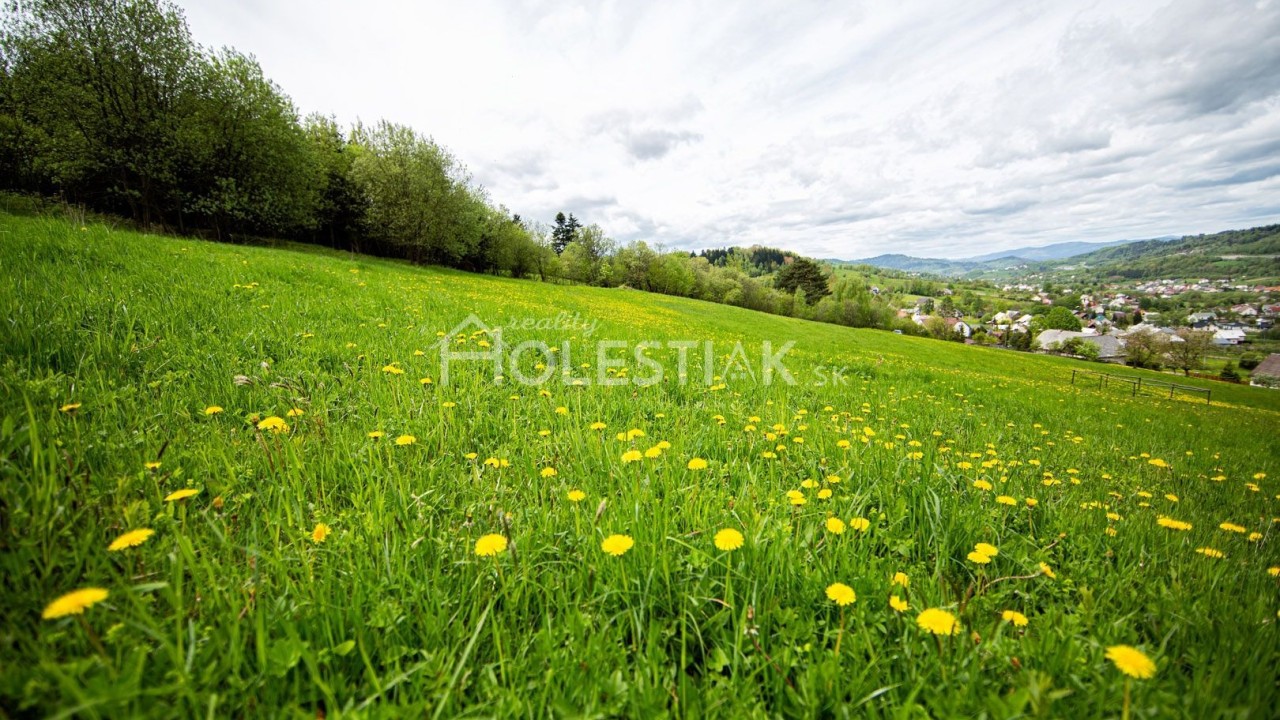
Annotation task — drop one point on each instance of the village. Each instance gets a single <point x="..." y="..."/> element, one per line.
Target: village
<point x="1147" y="324"/>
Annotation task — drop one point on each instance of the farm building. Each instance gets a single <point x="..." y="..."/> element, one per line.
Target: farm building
<point x="1267" y="374"/>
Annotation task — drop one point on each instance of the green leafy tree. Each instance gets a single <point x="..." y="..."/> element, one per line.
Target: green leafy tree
<point x="98" y="89"/>
<point x="803" y="274"/>
<point x="1057" y="318"/>
<point x="1189" y="354"/>
<point x="255" y="168"/>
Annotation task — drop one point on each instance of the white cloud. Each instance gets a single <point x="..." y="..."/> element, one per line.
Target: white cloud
<point x="940" y="128"/>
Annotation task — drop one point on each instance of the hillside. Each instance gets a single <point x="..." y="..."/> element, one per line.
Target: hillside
<point x="1241" y="254"/>
<point x="309" y="519"/>
<point x="1252" y="254"/>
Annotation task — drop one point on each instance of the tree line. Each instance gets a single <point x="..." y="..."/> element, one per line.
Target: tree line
<point x="111" y="105"/>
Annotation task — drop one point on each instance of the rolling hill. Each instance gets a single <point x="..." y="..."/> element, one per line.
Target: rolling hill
<point x="252" y="481"/>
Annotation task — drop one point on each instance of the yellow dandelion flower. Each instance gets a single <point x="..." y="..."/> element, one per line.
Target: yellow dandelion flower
<point x="1006" y="500"/>
<point x="1032" y="502"/>
<point x="841" y="594"/>
<point x="1131" y="661"/>
<point x="1015" y="617"/>
<point x="274" y="424"/>
<point x="900" y="578"/>
<point x="860" y="524"/>
<point x="133" y="538"/>
<point x="631" y="456"/>
<point x="1274" y="571"/>
<point x="697" y="464"/>
<point x="835" y="526"/>
<point x="548" y="472"/>
<point x="490" y="545"/>
<point x="598" y="425"/>
<point x="295" y="412"/>
<point x="729" y="539"/>
<point x="320" y="532"/>
<point x="577" y="496"/>
<point x="979" y="558"/>
<point x="153" y="465"/>
<point x="180" y="494"/>
<point x="824" y="494"/>
<point x="1173" y="524"/>
<point x="617" y="545"/>
<point x="938" y="622"/>
<point x="74" y="603"/>
<point x="376" y="434"/>
<point x="1211" y="553"/>
<point x="69" y="407"/>
<point x="1158" y="463"/>
<point x="987" y="549"/>
<point x="392" y="369"/>
<point x="1048" y="571"/>
<point x="1232" y="527"/>
<point x="406" y="440"/>
<point x="898" y="604"/>
<point x="653" y="452"/>
<point x="213" y="410"/>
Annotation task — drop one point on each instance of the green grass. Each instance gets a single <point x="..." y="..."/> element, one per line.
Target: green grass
<point x="231" y="609"/>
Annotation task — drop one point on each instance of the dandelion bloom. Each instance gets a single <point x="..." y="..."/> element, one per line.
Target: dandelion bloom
<point x="490" y="545"/>
<point x="697" y="464"/>
<point x="1006" y="500"/>
<point x="74" y="603"/>
<point x="406" y="440"/>
<point x="979" y="558"/>
<point x="653" y="452"/>
<point x="835" y="525"/>
<point x="900" y="578"/>
<point x="213" y="410"/>
<point x="1173" y="524"/>
<point x="796" y="497"/>
<point x="729" y="539"/>
<point x="631" y="456"/>
<point x="980" y="484"/>
<point x="598" y="426"/>
<point x="1274" y="571"/>
<point x="274" y="424"/>
<point x="153" y="465"/>
<point x="938" y="622"/>
<point x="1211" y="552"/>
<point x="617" y="545"/>
<point x="841" y="594"/>
<point x="133" y="538"/>
<point x="320" y="533"/>
<point x="181" y="494"/>
<point x="392" y="370"/>
<point x="295" y="412"/>
<point x="1158" y="463"/>
<point x="548" y="472"/>
<point x="1015" y="617"/>
<point x="987" y="549"/>
<point x="577" y="496"/>
<point x="376" y="435"/>
<point x="1032" y="502"/>
<point x="860" y="524"/>
<point x="1231" y="527"/>
<point x="1131" y="661"/>
<point x="898" y="604"/>
<point x="69" y="407"/>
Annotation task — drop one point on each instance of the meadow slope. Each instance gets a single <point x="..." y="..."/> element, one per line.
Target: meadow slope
<point x="327" y="559"/>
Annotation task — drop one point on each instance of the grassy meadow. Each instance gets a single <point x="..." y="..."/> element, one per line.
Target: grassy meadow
<point x="324" y="562"/>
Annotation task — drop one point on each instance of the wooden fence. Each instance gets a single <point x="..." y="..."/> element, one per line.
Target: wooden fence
<point x="1137" y="385"/>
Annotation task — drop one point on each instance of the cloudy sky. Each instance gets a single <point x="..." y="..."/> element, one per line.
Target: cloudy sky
<point x="942" y="129"/>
